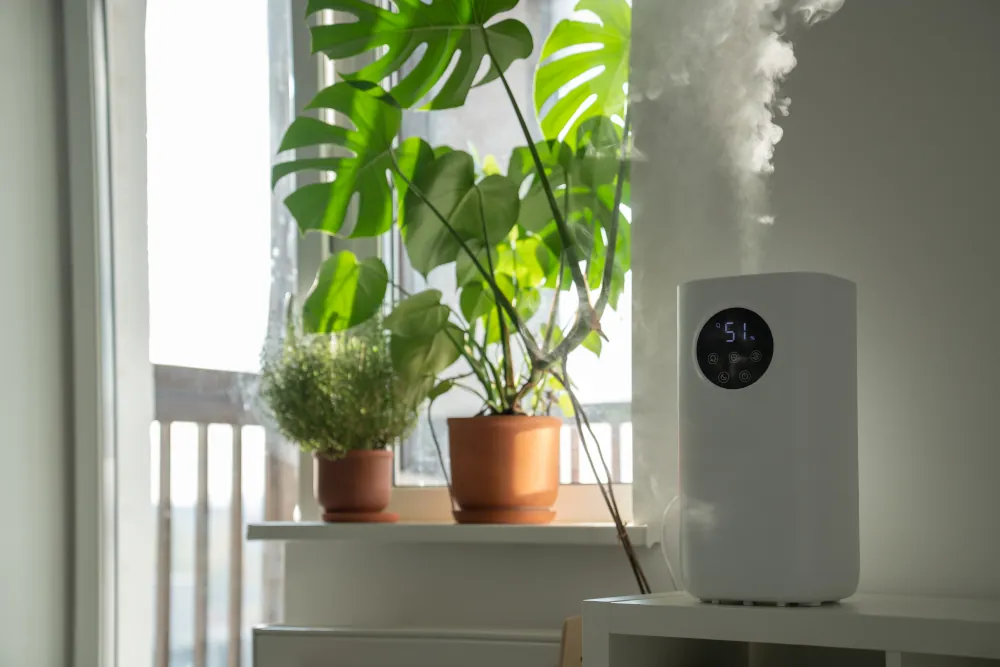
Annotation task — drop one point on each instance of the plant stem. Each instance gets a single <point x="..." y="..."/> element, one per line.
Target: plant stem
<point x="457" y="378"/>
<point x="501" y="298"/>
<point x="507" y="360"/>
<point x="607" y="493"/>
<point x="483" y="380"/>
<point x="529" y="384"/>
<point x="475" y="393"/>
<point x="610" y="251"/>
<point x="580" y="330"/>
<point x="494" y="372"/>
<point x="437" y="448"/>
<point x="554" y="312"/>
<point x="582" y="414"/>
<point x="510" y="386"/>
<point x="588" y="317"/>
<point x="569" y="244"/>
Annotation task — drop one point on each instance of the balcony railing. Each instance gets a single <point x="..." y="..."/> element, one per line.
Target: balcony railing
<point x="207" y="398"/>
<point x="612" y="423"/>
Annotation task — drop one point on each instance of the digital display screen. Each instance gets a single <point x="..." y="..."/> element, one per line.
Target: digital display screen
<point x="734" y="348"/>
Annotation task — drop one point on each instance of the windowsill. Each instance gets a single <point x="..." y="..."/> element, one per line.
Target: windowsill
<point x="556" y="534"/>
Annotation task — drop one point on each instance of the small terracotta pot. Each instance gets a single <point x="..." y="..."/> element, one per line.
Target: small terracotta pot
<point x="505" y="469"/>
<point x="359" y="484"/>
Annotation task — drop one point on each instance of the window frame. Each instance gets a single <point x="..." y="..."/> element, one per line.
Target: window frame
<point x="112" y="380"/>
<point x="577" y="503"/>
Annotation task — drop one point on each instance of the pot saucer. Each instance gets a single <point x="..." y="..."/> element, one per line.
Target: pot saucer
<point x="506" y="516"/>
<point x="360" y="517"/>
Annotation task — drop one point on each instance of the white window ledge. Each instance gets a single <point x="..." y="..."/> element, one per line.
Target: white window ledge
<point x="557" y="534"/>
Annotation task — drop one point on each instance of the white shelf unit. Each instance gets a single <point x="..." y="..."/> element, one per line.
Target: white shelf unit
<point x="675" y="630"/>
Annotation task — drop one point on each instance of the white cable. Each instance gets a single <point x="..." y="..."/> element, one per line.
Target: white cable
<point x="663" y="543"/>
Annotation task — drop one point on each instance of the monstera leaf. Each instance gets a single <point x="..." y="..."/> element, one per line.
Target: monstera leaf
<point x="369" y="155"/>
<point x="622" y="263"/>
<point x="584" y="61"/>
<point x="583" y="181"/>
<point x="424" y="343"/>
<point x="465" y="268"/>
<point x="593" y="157"/>
<point x="482" y="213"/>
<point x="556" y="158"/>
<point x="419" y="316"/>
<point x="347" y="292"/>
<point x="528" y="260"/>
<point x="444" y="27"/>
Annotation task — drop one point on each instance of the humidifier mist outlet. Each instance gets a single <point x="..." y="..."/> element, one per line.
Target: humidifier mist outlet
<point x="768" y="425"/>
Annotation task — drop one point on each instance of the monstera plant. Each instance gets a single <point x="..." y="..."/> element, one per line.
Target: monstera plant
<point x="549" y="228"/>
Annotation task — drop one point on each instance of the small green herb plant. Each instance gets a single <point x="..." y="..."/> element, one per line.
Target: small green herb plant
<point x="335" y="394"/>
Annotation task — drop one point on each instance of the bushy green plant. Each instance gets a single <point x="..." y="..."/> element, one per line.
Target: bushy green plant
<point x="332" y="395"/>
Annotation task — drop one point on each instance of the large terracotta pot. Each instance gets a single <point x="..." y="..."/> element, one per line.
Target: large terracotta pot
<point x="355" y="488"/>
<point x="504" y="469"/>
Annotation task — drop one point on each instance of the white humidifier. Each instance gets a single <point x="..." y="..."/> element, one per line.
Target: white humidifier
<point x="767" y="372"/>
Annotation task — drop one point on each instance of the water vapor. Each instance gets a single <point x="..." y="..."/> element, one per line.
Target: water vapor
<point x="723" y="61"/>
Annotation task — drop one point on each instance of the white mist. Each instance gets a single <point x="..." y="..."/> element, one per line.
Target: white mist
<point x="718" y="68"/>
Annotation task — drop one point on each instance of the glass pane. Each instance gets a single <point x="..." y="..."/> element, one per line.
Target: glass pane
<point x="216" y="275"/>
<point x="209" y="131"/>
<point x="486" y="125"/>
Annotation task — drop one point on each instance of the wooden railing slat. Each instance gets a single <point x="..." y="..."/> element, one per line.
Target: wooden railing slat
<point x="162" y="646"/>
<point x="273" y="565"/>
<point x="616" y="452"/>
<point x="201" y="553"/>
<point x="236" y="551"/>
<point x="574" y="455"/>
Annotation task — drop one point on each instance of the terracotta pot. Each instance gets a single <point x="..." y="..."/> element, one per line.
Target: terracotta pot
<point x="358" y="484"/>
<point x="505" y="469"/>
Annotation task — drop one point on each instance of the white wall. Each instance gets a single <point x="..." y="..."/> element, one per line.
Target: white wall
<point x="34" y="464"/>
<point x="464" y="601"/>
<point x="887" y="175"/>
<point x="449" y="586"/>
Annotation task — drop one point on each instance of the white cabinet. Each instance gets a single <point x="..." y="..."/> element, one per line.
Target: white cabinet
<point x="324" y="647"/>
<point x="675" y="630"/>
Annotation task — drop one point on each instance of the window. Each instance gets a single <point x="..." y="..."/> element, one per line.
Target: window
<point x="209" y="194"/>
<point x="486" y="126"/>
<point x="217" y="273"/>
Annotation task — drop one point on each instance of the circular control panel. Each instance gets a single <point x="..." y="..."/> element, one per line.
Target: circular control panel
<point x="734" y="348"/>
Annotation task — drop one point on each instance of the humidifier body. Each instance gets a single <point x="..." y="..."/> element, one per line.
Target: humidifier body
<point x="768" y="426"/>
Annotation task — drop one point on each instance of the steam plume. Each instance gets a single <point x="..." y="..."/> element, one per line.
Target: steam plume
<point x="724" y="60"/>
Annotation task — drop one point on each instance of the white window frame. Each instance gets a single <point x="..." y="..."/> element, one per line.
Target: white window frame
<point x="113" y="528"/>
<point x="577" y="503"/>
